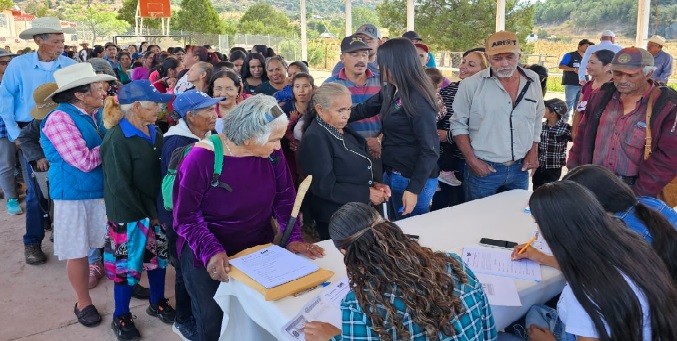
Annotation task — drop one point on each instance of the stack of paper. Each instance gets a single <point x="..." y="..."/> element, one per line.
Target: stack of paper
<point x="499" y="262"/>
<point x="273" y="266"/>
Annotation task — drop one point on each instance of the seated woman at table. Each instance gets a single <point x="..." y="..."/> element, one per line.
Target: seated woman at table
<point x="617" y="286"/>
<point x="214" y="222"/>
<point x="408" y="109"/>
<point x="336" y="157"/>
<point x="410" y="293"/>
<point x="654" y="220"/>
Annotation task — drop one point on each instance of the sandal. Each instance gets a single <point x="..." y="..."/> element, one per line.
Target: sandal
<point x="88" y="317"/>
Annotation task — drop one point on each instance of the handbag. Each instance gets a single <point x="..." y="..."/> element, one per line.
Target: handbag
<point x="669" y="192"/>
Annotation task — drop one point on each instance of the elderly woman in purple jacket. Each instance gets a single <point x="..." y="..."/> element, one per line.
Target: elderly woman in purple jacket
<point x="214" y="223"/>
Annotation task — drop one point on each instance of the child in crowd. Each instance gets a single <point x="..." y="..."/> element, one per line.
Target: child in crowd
<point x="552" y="149"/>
<point x="436" y="77"/>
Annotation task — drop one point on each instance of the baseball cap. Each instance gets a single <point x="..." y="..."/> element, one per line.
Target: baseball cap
<point x="424" y="47"/>
<point x="608" y="33"/>
<point x="353" y="43"/>
<point x="412" y="35"/>
<point x="193" y="100"/>
<point x="502" y="42"/>
<point x="141" y="90"/>
<point x="557" y="106"/>
<point x="657" y="40"/>
<point x="584" y="42"/>
<point x="631" y="60"/>
<point x="369" y="30"/>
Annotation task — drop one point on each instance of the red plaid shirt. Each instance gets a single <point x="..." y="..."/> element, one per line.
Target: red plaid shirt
<point x="67" y="139"/>
<point x="619" y="145"/>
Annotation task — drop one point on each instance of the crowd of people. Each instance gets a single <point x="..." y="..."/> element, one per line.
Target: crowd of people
<point x="143" y="146"/>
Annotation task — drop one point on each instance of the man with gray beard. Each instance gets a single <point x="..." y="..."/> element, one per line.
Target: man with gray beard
<point x="497" y="121"/>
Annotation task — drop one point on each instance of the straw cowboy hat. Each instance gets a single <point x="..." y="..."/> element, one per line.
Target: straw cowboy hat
<point x="45" y="25"/>
<point x="76" y="75"/>
<point x="43" y="106"/>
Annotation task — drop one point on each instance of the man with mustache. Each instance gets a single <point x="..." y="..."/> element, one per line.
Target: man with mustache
<point x="614" y="135"/>
<point x="497" y="121"/>
<point x="371" y="36"/>
<point x="362" y="83"/>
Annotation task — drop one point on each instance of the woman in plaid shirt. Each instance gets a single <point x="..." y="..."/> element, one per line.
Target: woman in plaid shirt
<point x="552" y="150"/>
<point x="400" y="290"/>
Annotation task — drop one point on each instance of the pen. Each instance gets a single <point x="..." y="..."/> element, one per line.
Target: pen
<point x="528" y="244"/>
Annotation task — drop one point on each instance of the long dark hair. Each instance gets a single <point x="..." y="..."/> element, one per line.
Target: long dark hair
<point x="169" y="63"/>
<point x="399" y="65"/>
<point x="596" y="254"/>
<point x="616" y="197"/>
<point x="380" y="259"/>
<point x="246" y="73"/>
<point x="237" y="55"/>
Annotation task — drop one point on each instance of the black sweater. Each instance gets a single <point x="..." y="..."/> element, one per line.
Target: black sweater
<point x="131" y="175"/>
<point x="339" y="175"/>
<point x="410" y="143"/>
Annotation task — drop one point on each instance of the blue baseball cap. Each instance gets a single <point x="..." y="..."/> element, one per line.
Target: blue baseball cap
<point x="142" y="90"/>
<point x="193" y="100"/>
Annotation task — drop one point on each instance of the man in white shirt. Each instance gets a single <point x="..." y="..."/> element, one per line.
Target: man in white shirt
<point x="606" y="42"/>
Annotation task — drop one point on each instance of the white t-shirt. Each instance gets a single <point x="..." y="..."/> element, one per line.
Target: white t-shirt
<point x="578" y="322"/>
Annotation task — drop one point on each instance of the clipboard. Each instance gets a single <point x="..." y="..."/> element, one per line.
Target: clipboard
<point x="288" y="289"/>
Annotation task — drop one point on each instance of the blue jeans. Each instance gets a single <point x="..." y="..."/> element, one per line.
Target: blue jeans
<point x="95" y="256"/>
<point x="506" y="178"/>
<point x="572" y="93"/>
<point x="398" y="184"/>
<point x="544" y="317"/>
<point x="35" y="216"/>
<point x="201" y="288"/>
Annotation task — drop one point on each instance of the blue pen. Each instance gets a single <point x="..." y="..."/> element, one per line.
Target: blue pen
<point x="400" y="210"/>
<point x="325" y="284"/>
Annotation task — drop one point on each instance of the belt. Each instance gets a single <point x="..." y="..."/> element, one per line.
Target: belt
<point x="628" y="180"/>
<point x="506" y="164"/>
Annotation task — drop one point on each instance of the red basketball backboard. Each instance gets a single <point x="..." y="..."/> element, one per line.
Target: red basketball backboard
<point x="154" y="9"/>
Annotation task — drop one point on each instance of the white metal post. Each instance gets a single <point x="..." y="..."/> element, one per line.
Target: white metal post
<point x="304" y="35"/>
<point x="500" y="15"/>
<point x="410" y="15"/>
<point x="349" y="18"/>
<point x="643" y="10"/>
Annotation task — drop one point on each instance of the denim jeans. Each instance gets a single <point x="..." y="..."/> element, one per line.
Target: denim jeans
<point x="506" y="178"/>
<point x="572" y="93"/>
<point x="202" y="288"/>
<point x="95" y="256"/>
<point x="398" y="184"/>
<point x="544" y="317"/>
<point x="35" y="216"/>
<point x="7" y="167"/>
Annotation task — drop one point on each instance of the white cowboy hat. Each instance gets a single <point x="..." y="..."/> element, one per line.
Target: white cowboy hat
<point x="45" y="25"/>
<point x="658" y="40"/>
<point x="77" y="75"/>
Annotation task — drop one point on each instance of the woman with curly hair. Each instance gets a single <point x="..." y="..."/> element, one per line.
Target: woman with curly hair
<point x="401" y="290"/>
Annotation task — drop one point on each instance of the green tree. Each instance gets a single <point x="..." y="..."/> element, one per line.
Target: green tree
<point x="41" y="8"/>
<point x="457" y="25"/>
<point x="100" y="19"/>
<point x="128" y="12"/>
<point x="265" y="19"/>
<point x="197" y="16"/>
<point x="6" y="4"/>
<point x="364" y="15"/>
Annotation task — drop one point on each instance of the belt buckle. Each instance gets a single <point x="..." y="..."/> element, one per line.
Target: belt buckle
<point x="509" y="163"/>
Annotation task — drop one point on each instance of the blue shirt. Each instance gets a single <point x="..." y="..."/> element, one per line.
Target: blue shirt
<point x="636" y="225"/>
<point x="113" y="63"/>
<point x="23" y="75"/>
<point x="603" y="45"/>
<point x="663" y="63"/>
<point x="476" y="323"/>
<point x="431" y="61"/>
<point x="129" y="130"/>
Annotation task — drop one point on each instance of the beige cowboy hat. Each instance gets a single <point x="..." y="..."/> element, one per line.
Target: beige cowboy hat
<point x="45" y="25"/>
<point x="42" y="105"/>
<point x="658" y="40"/>
<point x="76" y="75"/>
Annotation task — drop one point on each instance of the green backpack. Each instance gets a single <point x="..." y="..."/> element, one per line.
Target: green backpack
<point x="175" y="162"/>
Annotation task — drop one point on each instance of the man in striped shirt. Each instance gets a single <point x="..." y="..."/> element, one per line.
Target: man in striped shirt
<point x="362" y="83"/>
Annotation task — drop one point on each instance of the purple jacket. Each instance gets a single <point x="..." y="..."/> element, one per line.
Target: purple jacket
<point x="661" y="166"/>
<point x="212" y="220"/>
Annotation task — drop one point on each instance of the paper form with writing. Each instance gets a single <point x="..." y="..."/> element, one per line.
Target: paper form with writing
<point x="500" y="290"/>
<point x="499" y="262"/>
<point x="325" y="307"/>
<point x="274" y="266"/>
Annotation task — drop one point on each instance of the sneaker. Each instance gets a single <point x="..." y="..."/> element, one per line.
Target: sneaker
<point x="34" y="254"/>
<point x="13" y="207"/>
<point x="187" y="331"/>
<point x="449" y="178"/>
<point x="162" y="310"/>
<point x="124" y="328"/>
<point x="140" y="292"/>
<point x="95" y="274"/>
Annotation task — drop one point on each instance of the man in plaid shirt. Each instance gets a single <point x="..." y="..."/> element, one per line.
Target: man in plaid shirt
<point x="552" y="149"/>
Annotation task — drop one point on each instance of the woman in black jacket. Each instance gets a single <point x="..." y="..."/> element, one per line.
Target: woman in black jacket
<point x="336" y="157"/>
<point x="408" y="109"/>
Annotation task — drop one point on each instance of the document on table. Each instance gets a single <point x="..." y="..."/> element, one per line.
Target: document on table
<point x="274" y="266"/>
<point x="325" y="307"/>
<point x="499" y="262"/>
<point x="500" y="290"/>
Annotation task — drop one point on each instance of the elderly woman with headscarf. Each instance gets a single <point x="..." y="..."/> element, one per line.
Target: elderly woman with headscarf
<point x="135" y="240"/>
<point x="256" y="184"/>
<point x="71" y="138"/>
<point x="196" y="118"/>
